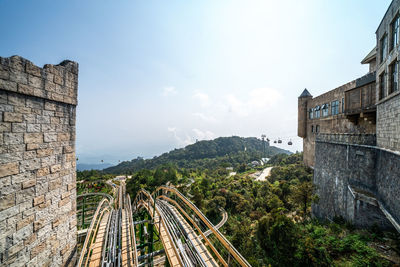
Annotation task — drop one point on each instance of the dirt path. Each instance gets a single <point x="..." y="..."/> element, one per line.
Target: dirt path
<point x="265" y="173"/>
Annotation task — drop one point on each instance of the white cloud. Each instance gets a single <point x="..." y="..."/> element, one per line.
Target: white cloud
<point x="258" y="100"/>
<point x="206" y="118"/>
<point x="237" y="106"/>
<point x="169" y="90"/>
<point x="182" y="141"/>
<point x="203" y="99"/>
<point x="264" y="97"/>
<point x="203" y="135"/>
<point x="184" y="138"/>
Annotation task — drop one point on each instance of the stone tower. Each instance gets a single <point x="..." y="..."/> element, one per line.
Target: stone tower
<point x="302" y="113"/>
<point x="37" y="163"/>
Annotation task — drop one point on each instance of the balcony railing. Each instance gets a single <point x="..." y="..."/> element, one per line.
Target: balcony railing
<point x="361" y="99"/>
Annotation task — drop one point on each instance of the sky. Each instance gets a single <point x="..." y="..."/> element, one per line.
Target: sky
<point x="158" y="75"/>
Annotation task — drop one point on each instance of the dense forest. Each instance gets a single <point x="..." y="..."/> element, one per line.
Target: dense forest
<point x="270" y="221"/>
<point x="210" y="154"/>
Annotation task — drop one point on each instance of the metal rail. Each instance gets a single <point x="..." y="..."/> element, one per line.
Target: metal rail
<point x="144" y="199"/>
<point x="237" y="256"/>
<point x="189" y="252"/>
<point x="202" y="234"/>
<point x="182" y="228"/>
<point x="132" y="239"/>
<point x="103" y="206"/>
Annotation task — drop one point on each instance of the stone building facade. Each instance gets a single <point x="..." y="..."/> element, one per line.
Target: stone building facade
<point x="327" y="113"/>
<point x="356" y="157"/>
<point x="37" y="163"/>
<point x="387" y="90"/>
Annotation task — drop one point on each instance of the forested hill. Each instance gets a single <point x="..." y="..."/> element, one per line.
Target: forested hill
<point x="222" y="151"/>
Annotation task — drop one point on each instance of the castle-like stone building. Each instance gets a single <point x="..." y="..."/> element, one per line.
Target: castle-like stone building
<point x="37" y="163"/>
<point x="351" y="137"/>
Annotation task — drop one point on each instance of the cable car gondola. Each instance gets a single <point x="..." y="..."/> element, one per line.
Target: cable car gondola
<point x="279" y="141"/>
<point x="290" y="143"/>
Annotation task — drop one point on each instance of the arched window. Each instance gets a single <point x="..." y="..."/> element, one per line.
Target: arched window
<point x="317" y="112"/>
<point x="325" y="110"/>
<point x="311" y="113"/>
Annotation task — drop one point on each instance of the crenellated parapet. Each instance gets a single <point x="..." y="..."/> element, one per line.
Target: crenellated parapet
<point x="37" y="163"/>
<point x="53" y="82"/>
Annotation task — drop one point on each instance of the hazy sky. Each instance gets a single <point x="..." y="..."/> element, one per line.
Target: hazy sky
<point x="157" y="75"/>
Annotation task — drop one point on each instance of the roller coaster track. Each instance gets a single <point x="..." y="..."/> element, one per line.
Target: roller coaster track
<point x="188" y="238"/>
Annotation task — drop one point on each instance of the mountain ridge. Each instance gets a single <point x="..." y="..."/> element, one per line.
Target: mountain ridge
<point x="219" y="152"/>
<point x="93" y="166"/>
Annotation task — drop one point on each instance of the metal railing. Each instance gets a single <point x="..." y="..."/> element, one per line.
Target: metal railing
<point x="181" y="226"/>
<point x="86" y="207"/>
<point x="132" y="238"/>
<point x="232" y="256"/>
<point x="103" y="208"/>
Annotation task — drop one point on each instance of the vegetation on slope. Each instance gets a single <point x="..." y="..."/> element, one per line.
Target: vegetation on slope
<point x="269" y="222"/>
<point x="220" y="152"/>
<point x="92" y="181"/>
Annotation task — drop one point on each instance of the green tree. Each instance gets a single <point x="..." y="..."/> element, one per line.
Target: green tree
<point x="303" y="195"/>
<point x="277" y="235"/>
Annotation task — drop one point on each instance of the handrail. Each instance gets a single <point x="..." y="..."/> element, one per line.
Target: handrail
<point x="220" y="224"/>
<point x="138" y="201"/>
<point x="241" y="260"/>
<point x="197" y="227"/>
<point x="88" y="206"/>
<point x="99" y="211"/>
<point x="132" y="231"/>
<point x="177" y="255"/>
<point x="97" y="228"/>
<point x="110" y="198"/>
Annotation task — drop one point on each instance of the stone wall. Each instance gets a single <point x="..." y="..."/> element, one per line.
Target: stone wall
<point x="302" y="116"/>
<point x="354" y="178"/>
<point x="344" y="138"/>
<point x="388" y="123"/>
<point x="330" y="124"/>
<point x="384" y="29"/>
<point x="388" y="107"/>
<point x="37" y="163"/>
<point x="388" y="181"/>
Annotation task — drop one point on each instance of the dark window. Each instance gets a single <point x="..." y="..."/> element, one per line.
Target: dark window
<point x="335" y="107"/>
<point x="395" y="32"/>
<point x="383" y="47"/>
<point x="317" y="129"/>
<point x="325" y="110"/>
<point x="311" y="113"/>
<point x="393" y="77"/>
<point x="382" y="85"/>
<point x="343" y="105"/>
<point x="312" y="128"/>
<point x="317" y="112"/>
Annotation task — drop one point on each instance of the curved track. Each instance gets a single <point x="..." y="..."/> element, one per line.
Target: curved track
<point x="188" y="238"/>
<point x="220" y="224"/>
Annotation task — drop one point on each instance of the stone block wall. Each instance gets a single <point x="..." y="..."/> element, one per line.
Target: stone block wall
<point x="356" y="139"/>
<point x="302" y="116"/>
<point x="388" y="105"/>
<point x="388" y="123"/>
<point x="37" y="163"/>
<point x="354" y="180"/>
<point x="388" y="181"/>
<point x="331" y="182"/>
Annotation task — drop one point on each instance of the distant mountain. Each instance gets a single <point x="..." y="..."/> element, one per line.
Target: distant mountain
<point x="84" y="166"/>
<point x="220" y="152"/>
